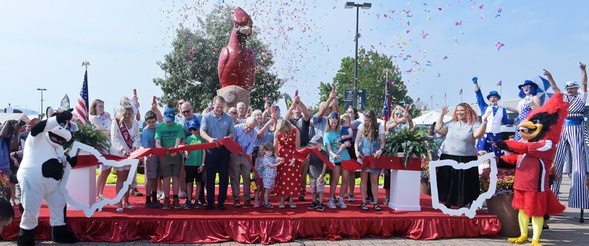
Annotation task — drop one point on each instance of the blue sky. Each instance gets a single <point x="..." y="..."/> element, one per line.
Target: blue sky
<point x="43" y="43"/>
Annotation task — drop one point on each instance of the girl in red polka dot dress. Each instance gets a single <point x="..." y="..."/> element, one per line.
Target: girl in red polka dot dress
<point x="289" y="175"/>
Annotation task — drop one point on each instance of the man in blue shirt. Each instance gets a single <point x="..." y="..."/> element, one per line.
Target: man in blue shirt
<point x="216" y="125"/>
<point x="245" y="136"/>
<point x="497" y="117"/>
<point x="8" y="141"/>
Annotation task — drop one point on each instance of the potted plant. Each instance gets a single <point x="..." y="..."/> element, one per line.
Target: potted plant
<point x="413" y="143"/>
<point x="500" y="203"/>
<point x="89" y="135"/>
<point x="424" y="187"/>
<point x="4" y="186"/>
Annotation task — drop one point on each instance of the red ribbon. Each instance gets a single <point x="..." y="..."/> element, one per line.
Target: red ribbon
<point x="232" y="146"/>
<point x="383" y="162"/>
<point x="349" y="165"/>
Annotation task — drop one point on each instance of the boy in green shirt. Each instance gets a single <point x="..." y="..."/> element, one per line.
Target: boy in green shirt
<point x="170" y="135"/>
<point x="194" y="164"/>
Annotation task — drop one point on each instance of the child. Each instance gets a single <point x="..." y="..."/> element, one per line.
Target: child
<point x="169" y="135"/>
<point x="346" y="131"/>
<point x="6" y="213"/>
<point x="317" y="171"/>
<point x="338" y="152"/>
<point x="194" y="164"/>
<point x="260" y="171"/>
<point x="152" y="163"/>
<point x="270" y="164"/>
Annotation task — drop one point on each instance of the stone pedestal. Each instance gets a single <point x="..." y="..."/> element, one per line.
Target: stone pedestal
<point x="234" y="94"/>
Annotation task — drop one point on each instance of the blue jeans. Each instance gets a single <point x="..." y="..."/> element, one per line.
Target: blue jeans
<point x="217" y="161"/>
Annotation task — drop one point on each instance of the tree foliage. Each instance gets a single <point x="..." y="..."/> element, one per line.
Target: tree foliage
<point x="191" y="67"/>
<point x="372" y="78"/>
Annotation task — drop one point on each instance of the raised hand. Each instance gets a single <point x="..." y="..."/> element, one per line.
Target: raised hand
<point x="582" y="65"/>
<point x="444" y="109"/>
<point x="547" y="74"/>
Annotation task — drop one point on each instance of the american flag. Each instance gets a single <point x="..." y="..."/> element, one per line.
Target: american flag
<point x="386" y="108"/>
<point x="81" y="109"/>
<point x="418" y="100"/>
<point x="460" y="92"/>
<point x="500" y="82"/>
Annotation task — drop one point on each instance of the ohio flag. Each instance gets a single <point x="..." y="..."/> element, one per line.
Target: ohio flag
<point x="81" y="109"/>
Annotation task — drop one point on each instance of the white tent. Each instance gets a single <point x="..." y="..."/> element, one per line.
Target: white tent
<point x="429" y="118"/>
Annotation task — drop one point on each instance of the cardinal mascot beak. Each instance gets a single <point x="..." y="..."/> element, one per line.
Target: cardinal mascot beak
<point x="526" y="126"/>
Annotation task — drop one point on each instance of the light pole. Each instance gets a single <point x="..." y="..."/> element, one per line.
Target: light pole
<point x="350" y="5"/>
<point x="41" y="112"/>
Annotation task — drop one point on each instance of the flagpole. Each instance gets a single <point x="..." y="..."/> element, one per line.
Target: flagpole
<point x="501" y="90"/>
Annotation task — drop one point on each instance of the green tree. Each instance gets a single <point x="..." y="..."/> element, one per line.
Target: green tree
<point x="372" y="78"/>
<point x="191" y="67"/>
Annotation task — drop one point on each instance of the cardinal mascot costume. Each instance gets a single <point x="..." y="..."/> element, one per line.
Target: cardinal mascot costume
<point x="532" y="197"/>
<point x="39" y="176"/>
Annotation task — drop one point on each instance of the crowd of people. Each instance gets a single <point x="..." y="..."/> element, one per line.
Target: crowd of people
<point x="270" y="142"/>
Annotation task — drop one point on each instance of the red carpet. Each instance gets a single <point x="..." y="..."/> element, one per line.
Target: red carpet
<point x="260" y="225"/>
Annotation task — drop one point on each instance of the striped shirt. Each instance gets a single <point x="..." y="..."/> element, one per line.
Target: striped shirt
<point x="577" y="104"/>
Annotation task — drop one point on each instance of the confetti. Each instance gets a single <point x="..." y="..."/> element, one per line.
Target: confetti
<point x="458" y="23"/>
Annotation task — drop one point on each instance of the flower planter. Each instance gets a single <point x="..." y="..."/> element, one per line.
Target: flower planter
<point x="501" y="206"/>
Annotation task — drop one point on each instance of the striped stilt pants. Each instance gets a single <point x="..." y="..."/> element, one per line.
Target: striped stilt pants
<point x="571" y="158"/>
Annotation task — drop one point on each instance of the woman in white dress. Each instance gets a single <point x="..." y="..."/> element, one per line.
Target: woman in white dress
<point x="125" y="138"/>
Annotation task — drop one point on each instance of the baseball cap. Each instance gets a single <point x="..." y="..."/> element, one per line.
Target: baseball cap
<point x="316" y="139"/>
<point x="194" y="123"/>
<point x="571" y="84"/>
<point x="169" y="114"/>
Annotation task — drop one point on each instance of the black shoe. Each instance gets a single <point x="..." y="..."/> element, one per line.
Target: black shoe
<point x="545" y="228"/>
<point x="377" y="207"/>
<point x="61" y="234"/>
<point x="320" y="207"/>
<point x="26" y="237"/>
<point x="210" y="207"/>
<point x="302" y="198"/>
<point x="363" y="206"/>
<point x="221" y="206"/>
<point x="313" y="205"/>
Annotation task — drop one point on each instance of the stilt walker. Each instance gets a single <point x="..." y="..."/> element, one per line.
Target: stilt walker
<point x="571" y="154"/>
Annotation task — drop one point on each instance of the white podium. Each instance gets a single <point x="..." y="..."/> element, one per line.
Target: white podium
<point x="405" y="190"/>
<point x="81" y="186"/>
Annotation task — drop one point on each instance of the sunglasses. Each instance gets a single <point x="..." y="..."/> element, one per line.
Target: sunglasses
<point x="186" y="111"/>
<point x="350" y="112"/>
<point x="233" y="112"/>
<point x="526" y="87"/>
<point x="333" y="115"/>
<point x="398" y="113"/>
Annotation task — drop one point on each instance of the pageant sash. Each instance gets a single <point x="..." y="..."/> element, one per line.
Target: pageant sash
<point x="125" y="133"/>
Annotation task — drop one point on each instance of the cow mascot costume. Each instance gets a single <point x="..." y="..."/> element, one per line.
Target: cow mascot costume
<point x="39" y="176"/>
<point x="540" y="132"/>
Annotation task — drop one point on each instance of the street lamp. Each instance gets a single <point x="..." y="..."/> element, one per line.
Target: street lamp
<point x="41" y="89"/>
<point x="350" y="5"/>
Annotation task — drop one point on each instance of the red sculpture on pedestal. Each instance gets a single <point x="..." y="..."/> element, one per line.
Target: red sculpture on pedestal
<point x="237" y="64"/>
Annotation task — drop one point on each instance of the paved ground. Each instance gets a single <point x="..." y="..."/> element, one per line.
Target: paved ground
<point x="565" y="230"/>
